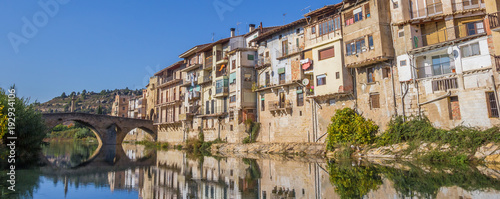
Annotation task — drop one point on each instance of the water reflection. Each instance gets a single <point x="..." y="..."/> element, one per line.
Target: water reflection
<point x="133" y="172"/>
<point x="68" y="154"/>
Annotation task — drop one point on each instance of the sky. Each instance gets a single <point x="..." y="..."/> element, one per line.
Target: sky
<point x="52" y="46"/>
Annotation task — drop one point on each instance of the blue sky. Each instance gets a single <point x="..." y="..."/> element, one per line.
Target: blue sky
<point x="71" y="45"/>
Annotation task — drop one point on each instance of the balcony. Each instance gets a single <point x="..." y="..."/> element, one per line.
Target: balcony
<point x="277" y="106"/>
<point x="464" y="31"/>
<point x="288" y="52"/>
<point x="467" y="5"/>
<point x="193" y="95"/>
<point x="190" y="81"/>
<point x="494" y="19"/>
<point x="221" y="91"/>
<point x="221" y="72"/>
<point x="208" y="63"/>
<point x="205" y="79"/>
<point x="191" y="67"/>
<point x="263" y="62"/>
<point x="216" y="110"/>
<point x="220" y="58"/>
<point x="444" y="84"/>
<point x="168" y="81"/>
<point x="435" y="70"/>
<point x="428" y="11"/>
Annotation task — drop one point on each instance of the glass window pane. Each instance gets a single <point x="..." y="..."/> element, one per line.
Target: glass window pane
<point x="475" y="49"/>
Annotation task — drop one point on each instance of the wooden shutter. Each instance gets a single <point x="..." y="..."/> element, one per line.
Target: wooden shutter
<point x="367" y="10"/>
<point x="326" y="53"/>
<point x="375" y="101"/>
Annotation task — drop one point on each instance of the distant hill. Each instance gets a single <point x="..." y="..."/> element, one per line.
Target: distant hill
<point x="85" y="102"/>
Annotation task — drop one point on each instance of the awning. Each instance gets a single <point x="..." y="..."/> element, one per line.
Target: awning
<point x="306" y="63"/>
<point x="281" y="70"/>
<point x="300" y="91"/>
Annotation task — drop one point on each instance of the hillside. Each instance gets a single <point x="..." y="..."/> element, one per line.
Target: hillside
<point x="86" y="102"/>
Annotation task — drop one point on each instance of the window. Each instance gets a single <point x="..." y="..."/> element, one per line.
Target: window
<point x="476" y="27"/>
<point x="284" y="47"/>
<point x="358" y="14"/>
<point x="329" y="25"/>
<point x="367" y="10"/>
<point x="207" y="107"/>
<point x="300" y="99"/>
<point x="297" y="31"/>
<point x="268" y="79"/>
<point x="441" y="64"/>
<point x="370" y="42"/>
<point x="320" y="80"/>
<point x="267" y="54"/>
<point x="231" y="117"/>
<point x="337" y="75"/>
<point x="491" y="101"/>
<point x="232" y="99"/>
<point x="231" y="127"/>
<point x="402" y="63"/>
<point x="370" y="75"/>
<point x="123" y="108"/>
<point x="356" y="46"/>
<point x="470" y="50"/>
<point x="395" y="5"/>
<point x="374" y="100"/>
<point x="313" y="30"/>
<point x="454" y="108"/>
<point x="386" y="72"/>
<point x="262" y="104"/>
<point x="282" y="78"/>
<point x="250" y="57"/>
<point x="233" y="64"/>
<point x="326" y="53"/>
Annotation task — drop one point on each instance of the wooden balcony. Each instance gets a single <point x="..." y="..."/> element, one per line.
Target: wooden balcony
<point x="494" y="19"/>
<point x="444" y="84"/>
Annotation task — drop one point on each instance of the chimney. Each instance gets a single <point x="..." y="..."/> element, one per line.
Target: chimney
<point x="232" y="32"/>
<point x="251" y="27"/>
<point x="260" y="27"/>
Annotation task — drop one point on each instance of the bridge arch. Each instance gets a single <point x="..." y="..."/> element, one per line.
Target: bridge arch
<point x="109" y="129"/>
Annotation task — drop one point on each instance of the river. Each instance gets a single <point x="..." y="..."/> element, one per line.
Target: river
<point x="131" y="171"/>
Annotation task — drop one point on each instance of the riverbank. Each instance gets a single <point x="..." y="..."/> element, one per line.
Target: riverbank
<point x="488" y="153"/>
<point x="302" y="149"/>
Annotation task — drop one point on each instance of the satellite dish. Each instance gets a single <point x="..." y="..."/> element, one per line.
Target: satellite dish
<point x="305" y="82"/>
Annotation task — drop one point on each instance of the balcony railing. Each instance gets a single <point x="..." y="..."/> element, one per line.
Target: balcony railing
<point x="444" y="84"/>
<point x="290" y="51"/>
<point x="434" y="70"/>
<point x="277" y="105"/>
<point x="264" y="61"/>
<point x="494" y="19"/>
<point x="218" y="56"/>
<point x="467" y="4"/>
<point x="221" y="90"/>
<point x="193" y="95"/>
<point x="217" y="109"/>
<point x="208" y="62"/>
<point x="222" y="72"/>
<point x="428" y="11"/>
<point x="441" y="36"/>
<point x="205" y="79"/>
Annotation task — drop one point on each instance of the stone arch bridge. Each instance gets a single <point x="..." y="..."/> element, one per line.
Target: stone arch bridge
<point x="109" y="130"/>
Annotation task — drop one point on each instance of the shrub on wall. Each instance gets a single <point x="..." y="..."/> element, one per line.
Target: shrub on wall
<point x="349" y="127"/>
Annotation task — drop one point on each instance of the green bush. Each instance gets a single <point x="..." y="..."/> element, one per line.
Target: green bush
<point x="30" y="130"/>
<point x="349" y="127"/>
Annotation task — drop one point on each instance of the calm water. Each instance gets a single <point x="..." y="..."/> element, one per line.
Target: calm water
<point x="130" y="171"/>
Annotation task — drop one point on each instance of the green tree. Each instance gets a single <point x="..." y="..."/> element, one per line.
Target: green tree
<point x="349" y="127"/>
<point x="84" y="92"/>
<point x="30" y="129"/>
<point x="99" y="110"/>
<point x="72" y="94"/>
<point x="63" y="95"/>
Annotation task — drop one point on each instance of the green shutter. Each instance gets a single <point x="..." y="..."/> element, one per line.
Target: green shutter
<point x="281" y="70"/>
<point x="232" y="77"/>
<point x="299" y="91"/>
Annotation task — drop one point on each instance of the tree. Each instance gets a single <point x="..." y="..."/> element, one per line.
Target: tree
<point x="78" y="93"/>
<point x="63" y="95"/>
<point x="84" y="92"/>
<point x="99" y="110"/>
<point x="30" y="130"/>
<point x="72" y="94"/>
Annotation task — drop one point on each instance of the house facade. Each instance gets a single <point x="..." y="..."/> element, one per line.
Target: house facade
<point x="445" y="67"/>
